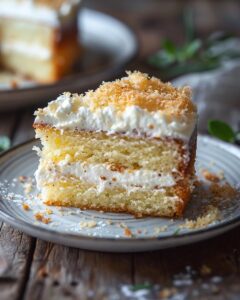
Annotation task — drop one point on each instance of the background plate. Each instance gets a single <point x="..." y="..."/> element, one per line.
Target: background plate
<point x="109" y="45"/>
<point x="105" y="231"/>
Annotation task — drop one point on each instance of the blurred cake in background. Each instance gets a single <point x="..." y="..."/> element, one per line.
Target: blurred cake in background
<point x="39" y="38"/>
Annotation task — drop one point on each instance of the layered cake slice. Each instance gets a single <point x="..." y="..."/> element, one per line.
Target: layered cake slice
<point x="129" y="146"/>
<point x="39" y="38"/>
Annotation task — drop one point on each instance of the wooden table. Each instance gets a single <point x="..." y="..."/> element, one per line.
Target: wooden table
<point x="42" y="270"/>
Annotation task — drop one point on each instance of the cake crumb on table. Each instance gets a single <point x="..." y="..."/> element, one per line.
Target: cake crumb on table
<point x="46" y="220"/>
<point x="160" y="229"/>
<point x="122" y="225"/>
<point x="27" y="187"/>
<point x="49" y="211"/>
<point x="210" y="176"/>
<point x="22" y="179"/>
<point x="127" y="232"/>
<point x="25" y="206"/>
<point x="88" y="224"/>
<point x="211" y="215"/>
<point x="40" y="217"/>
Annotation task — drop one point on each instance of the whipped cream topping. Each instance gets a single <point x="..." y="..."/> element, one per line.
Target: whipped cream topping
<point x="63" y="114"/>
<point x="101" y="176"/>
<point x="32" y="50"/>
<point x="39" y="13"/>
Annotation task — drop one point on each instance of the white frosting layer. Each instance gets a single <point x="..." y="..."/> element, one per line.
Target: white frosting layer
<point x="101" y="176"/>
<point x="30" y="50"/>
<point x="38" y="13"/>
<point x="62" y="114"/>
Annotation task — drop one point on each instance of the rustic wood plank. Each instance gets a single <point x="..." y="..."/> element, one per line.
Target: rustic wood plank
<point x="16" y="248"/>
<point x="60" y="272"/>
<point x="217" y="259"/>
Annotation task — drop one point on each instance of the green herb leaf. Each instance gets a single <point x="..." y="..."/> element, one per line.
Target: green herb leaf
<point x="143" y="286"/>
<point x="169" y="47"/>
<point x="221" y="130"/>
<point x="192" y="48"/>
<point x="161" y="59"/>
<point x="195" y="55"/>
<point x="4" y="143"/>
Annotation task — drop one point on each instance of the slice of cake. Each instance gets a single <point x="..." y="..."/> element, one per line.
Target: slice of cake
<point x="39" y="38"/>
<point x="129" y="146"/>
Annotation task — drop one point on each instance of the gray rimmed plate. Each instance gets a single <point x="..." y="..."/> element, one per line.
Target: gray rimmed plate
<point x="108" y="46"/>
<point x="107" y="231"/>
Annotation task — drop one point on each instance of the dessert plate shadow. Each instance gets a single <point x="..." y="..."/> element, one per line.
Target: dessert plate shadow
<point x="110" y="231"/>
<point x="108" y="45"/>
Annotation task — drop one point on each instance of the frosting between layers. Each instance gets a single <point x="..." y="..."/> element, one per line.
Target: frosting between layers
<point x="36" y="12"/>
<point x="103" y="177"/>
<point x="30" y="50"/>
<point x="63" y="114"/>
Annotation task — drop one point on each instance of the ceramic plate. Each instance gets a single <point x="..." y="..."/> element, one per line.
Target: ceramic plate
<point x="106" y="231"/>
<point x="108" y="46"/>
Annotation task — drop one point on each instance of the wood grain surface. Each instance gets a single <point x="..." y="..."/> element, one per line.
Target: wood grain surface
<point x="33" y="269"/>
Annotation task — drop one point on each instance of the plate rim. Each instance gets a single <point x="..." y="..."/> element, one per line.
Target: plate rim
<point x="8" y="218"/>
<point x="77" y="76"/>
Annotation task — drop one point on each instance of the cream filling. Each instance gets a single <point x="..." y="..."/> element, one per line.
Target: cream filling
<point x="62" y="114"/>
<point x="29" y="10"/>
<point x="31" y="50"/>
<point x="102" y="177"/>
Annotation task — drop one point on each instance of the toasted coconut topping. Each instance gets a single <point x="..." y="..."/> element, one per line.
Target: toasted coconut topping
<point x="138" y="89"/>
<point x="136" y="104"/>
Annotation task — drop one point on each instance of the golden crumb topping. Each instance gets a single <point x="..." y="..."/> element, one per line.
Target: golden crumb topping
<point x="140" y="90"/>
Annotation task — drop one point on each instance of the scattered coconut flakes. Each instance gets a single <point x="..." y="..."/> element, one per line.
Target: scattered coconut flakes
<point x="27" y="187"/>
<point x="122" y="225"/>
<point x="160" y="229"/>
<point x="211" y="215"/>
<point x="25" y="206"/>
<point x="88" y="224"/>
<point x="48" y="211"/>
<point x="210" y="176"/>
